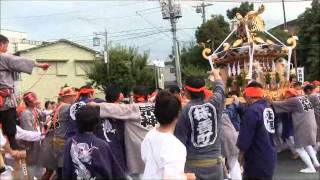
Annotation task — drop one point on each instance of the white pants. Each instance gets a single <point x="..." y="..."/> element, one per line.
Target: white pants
<point x="234" y="168"/>
<point x="290" y="144"/>
<point x="277" y="137"/>
<point x="307" y="154"/>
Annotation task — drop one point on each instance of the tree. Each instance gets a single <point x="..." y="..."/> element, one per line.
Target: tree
<point x="309" y="41"/>
<point x="192" y="62"/>
<point x="242" y="9"/>
<point x="214" y="30"/>
<point x="127" y="68"/>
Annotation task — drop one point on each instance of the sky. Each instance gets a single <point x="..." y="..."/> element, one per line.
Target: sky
<point x="130" y="23"/>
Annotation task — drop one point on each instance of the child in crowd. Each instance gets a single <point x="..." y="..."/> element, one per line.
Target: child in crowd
<point x="87" y="156"/>
<point x="156" y="148"/>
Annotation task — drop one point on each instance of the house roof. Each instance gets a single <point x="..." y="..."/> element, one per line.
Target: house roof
<point x="45" y="44"/>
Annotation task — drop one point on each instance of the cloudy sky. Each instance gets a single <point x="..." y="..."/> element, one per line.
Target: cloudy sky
<point x="134" y="23"/>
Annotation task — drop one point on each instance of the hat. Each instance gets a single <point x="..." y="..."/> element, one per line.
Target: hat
<point x="67" y="91"/>
<point x="292" y="92"/>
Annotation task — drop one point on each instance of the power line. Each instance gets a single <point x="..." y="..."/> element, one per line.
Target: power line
<point x="117" y="32"/>
<point x="122" y="35"/>
<point x="147" y="21"/>
<point x="45" y="15"/>
<point x="50" y="51"/>
<point x="122" y="17"/>
<point x="144" y="35"/>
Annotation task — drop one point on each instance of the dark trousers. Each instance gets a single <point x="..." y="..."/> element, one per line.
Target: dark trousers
<point x="256" y="178"/>
<point x="8" y="120"/>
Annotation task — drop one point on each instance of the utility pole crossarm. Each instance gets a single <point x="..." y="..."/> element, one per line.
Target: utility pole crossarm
<point x="202" y="9"/>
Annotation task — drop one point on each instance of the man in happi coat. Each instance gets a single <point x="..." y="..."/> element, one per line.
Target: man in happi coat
<point x="314" y="98"/>
<point x="84" y="96"/>
<point x="198" y="127"/>
<point x="112" y="130"/>
<point x="30" y="120"/>
<point x="257" y="148"/>
<point x="139" y="119"/>
<point x="304" y="124"/>
<point x="10" y="64"/>
<point x="51" y="155"/>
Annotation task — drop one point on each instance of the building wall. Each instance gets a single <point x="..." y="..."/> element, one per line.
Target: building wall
<point x="169" y="74"/>
<point x="67" y="62"/>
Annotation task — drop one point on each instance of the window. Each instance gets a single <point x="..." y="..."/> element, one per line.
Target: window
<point x="82" y="67"/>
<point x="62" y="69"/>
<point x="57" y="67"/>
<point x="172" y="70"/>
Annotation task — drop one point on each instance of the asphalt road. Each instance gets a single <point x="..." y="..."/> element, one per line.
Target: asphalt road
<point x="288" y="169"/>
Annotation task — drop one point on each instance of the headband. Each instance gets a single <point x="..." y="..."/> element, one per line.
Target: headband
<point x="292" y="92"/>
<point x="253" y="92"/>
<point x="139" y="98"/>
<point x="196" y="90"/>
<point x="67" y="91"/>
<point x="30" y="97"/>
<point x="86" y="91"/>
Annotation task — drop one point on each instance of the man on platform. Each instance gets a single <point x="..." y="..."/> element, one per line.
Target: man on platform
<point x="8" y="65"/>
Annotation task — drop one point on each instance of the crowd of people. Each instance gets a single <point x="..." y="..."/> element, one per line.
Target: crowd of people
<point x="167" y="134"/>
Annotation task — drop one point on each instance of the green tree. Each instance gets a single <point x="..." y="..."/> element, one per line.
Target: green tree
<point x="242" y="9"/>
<point x="127" y="68"/>
<point x="192" y="62"/>
<point x="214" y="30"/>
<point x="309" y="41"/>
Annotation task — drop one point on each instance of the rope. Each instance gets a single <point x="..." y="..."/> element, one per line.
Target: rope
<point x="36" y="82"/>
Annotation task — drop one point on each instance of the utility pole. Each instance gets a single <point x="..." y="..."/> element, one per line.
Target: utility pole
<point x="284" y="17"/>
<point x="106" y="54"/>
<point x="173" y="12"/>
<point x="96" y="42"/>
<point x="202" y="9"/>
